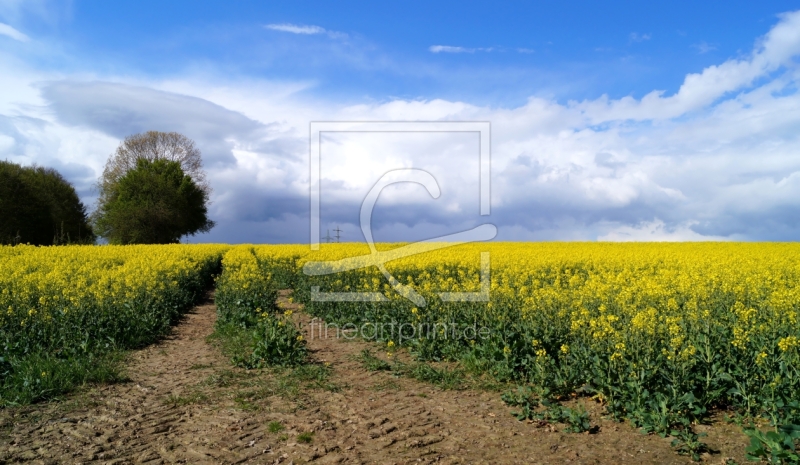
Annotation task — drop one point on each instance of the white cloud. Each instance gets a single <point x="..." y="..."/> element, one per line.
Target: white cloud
<point x="657" y="231"/>
<point x="772" y="52"/>
<point x="305" y="30"/>
<point x="453" y="49"/>
<point x="296" y="29"/>
<point x="9" y="31"/>
<point x="636" y="37"/>
<point x="704" y="47"/>
<point x="449" y="49"/>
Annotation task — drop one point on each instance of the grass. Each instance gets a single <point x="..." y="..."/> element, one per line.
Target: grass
<point x="43" y="376"/>
<point x="250" y="389"/>
<point x="243" y="402"/>
<point x="226" y="378"/>
<point x="231" y="340"/>
<point x="371" y="362"/>
<point x="306" y="437"/>
<point x="200" y="366"/>
<point x="386" y="385"/>
<point x="315" y="376"/>
<point x="442" y="377"/>
<point x="193" y="397"/>
<point x="275" y="427"/>
<point x="462" y="377"/>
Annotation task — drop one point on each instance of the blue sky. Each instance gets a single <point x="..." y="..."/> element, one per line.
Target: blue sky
<point x="610" y="120"/>
<point x="376" y="50"/>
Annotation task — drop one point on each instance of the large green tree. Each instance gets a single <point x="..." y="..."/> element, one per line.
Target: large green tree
<point x="154" y="202"/>
<point x="153" y="145"/>
<point x="38" y="206"/>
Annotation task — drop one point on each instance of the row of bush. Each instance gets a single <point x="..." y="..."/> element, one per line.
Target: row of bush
<point x="38" y="206"/>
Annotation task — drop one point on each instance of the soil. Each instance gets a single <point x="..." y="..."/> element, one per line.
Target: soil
<point x="185" y="403"/>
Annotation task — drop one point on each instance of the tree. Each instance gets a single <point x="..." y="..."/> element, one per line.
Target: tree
<point x="154" y="145"/>
<point x="38" y="206"/>
<point x="153" y="203"/>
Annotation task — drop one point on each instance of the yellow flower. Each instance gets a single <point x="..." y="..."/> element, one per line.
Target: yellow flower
<point x="679" y="300"/>
<point x="788" y="343"/>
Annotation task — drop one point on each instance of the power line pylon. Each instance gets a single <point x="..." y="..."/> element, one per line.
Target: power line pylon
<point x="338" y="233"/>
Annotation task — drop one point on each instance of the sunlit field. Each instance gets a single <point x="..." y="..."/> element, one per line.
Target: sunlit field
<point x="67" y="311"/>
<point x="663" y="335"/>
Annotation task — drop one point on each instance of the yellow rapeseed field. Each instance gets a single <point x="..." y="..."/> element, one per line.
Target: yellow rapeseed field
<point x="60" y="307"/>
<point x="661" y="333"/>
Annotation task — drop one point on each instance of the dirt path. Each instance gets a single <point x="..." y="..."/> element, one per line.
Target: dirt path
<point x="186" y="404"/>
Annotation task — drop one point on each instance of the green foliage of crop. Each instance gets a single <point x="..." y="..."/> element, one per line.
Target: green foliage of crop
<point x="777" y="446"/>
<point x="255" y="331"/>
<point x="540" y="406"/>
